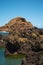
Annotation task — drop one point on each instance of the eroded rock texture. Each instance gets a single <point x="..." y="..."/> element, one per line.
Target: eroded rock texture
<point x="26" y="39"/>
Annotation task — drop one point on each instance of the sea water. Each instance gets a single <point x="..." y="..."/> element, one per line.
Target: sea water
<point x="4" y="33"/>
<point x="8" y="61"/>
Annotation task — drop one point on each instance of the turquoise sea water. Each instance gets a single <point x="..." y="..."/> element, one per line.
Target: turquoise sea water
<point x="4" y="33"/>
<point x="8" y="61"/>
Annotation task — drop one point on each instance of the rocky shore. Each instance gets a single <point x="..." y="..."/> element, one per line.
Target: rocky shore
<point x="24" y="38"/>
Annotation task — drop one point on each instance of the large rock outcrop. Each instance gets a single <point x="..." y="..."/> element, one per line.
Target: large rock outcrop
<point x="16" y="22"/>
<point x="24" y="38"/>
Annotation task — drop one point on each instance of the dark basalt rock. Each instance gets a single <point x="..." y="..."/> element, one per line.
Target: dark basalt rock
<point x="12" y="47"/>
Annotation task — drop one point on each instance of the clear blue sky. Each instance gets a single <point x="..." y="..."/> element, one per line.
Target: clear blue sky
<point x="32" y="10"/>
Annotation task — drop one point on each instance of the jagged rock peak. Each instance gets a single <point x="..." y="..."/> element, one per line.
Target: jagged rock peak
<point x="19" y="19"/>
<point x="17" y="22"/>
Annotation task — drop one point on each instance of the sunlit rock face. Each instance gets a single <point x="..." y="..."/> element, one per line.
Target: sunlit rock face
<point x="15" y="22"/>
